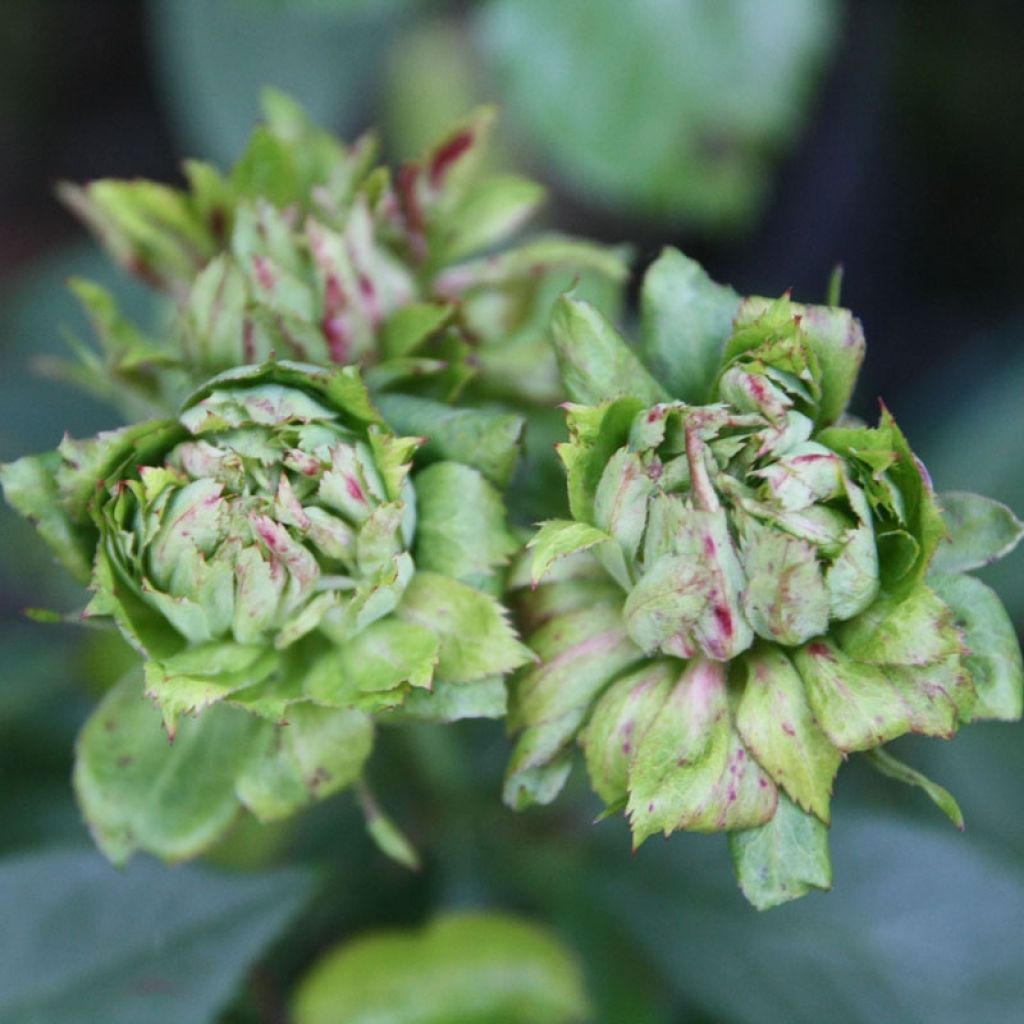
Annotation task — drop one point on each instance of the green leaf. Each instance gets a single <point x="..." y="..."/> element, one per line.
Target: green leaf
<point x="452" y="702"/>
<point x="914" y="630"/>
<point x="782" y="860"/>
<point x="618" y="723"/>
<point x="860" y="705"/>
<point x="30" y="487"/>
<point x="409" y="327"/>
<point x="678" y="109"/>
<point x="476" y="637"/>
<point x="904" y="894"/>
<point x="595" y="362"/>
<point x="483" y="438"/>
<point x="87" y="944"/>
<point x="893" y="768"/>
<point x="466" y="968"/>
<point x="461" y="526"/>
<point x="778" y="727"/>
<point x="994" y="656"/>
<point x="138" y="791"/>
<point x="686" y="318"/>
<point x="981" y="531"/>
<point x="492" y="209"/>
<point x="381" y="661"/>
<point x="317" y="752"/>
<point x="557" y="538"/>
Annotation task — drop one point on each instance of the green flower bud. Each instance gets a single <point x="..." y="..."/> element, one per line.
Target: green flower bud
<point x="272" y="550"/>
<point x="305" y="251"/>
<point x="765" y="609"/>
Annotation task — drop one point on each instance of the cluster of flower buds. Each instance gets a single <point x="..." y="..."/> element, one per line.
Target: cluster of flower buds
<point x="273" y="548"/>
<point x="307" y="251"/>
<point x="742" y="596"/>
<point x="750" y="585"/>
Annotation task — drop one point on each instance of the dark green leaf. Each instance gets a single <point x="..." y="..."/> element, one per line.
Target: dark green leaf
<point x="86" y="944"/>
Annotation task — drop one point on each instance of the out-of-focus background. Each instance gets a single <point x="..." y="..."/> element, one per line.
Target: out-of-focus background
<point x="770" y="139"/>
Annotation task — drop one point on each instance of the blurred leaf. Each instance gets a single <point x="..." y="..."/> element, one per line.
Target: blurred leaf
<point x="213" y="57"/>
<point x="84" y="943"/>
<point x="981" y="531"/>
<point x="923" y="927"/>
<point x="994" y="654"/>
<point x="687" y="318"/>
<point x="140" y="791"/>
<point x="463" y="969"/>
<point x="664" y="106"/>
<point x="893" y="768"/>
<point x="432" y="80"/>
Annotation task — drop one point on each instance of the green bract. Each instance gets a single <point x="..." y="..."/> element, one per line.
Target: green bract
<point x="740" y="598"/>
<point x="307" y="251"/>
<point x="271" y="550"/>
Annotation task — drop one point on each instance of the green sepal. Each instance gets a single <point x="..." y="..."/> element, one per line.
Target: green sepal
<point x="686" y="318"/>
<point x="317" y="752"/>
<point x="908" y="524"/>
<point x="860" y="706"/>
<point x="993" y="656"/>
<point x="595" y="362"/>
<point x="375" y="668"/>
<point x="579" y="654"/>
<point x="778" y="727"/>
<point x="782" y="860"/>
<point x="558" y="538"/>
<point x="453" y="702"/>
<point x="489" y="211"/>
<point x="618" y="723"/>
<point x="832" y="334"/>
<point x="387" y="836"/>
<point x="149" y="229"/>
<point x="341" y="386"/>
<point x="201" y="676"/>
<point x="409" y="327"/>
<point x="476" y="637"/>
<point x="981" y="531"/>
<point x="691" y="770"/>
<point x="595" y="434"/>
<point x="139" y="791"/>
<point x="893" y="768"/>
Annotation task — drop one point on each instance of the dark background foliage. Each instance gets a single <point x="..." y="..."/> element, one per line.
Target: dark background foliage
<point x="902" y="161"/>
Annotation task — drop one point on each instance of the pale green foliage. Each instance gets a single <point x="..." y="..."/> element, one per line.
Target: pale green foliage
<point x="461" y="969"/>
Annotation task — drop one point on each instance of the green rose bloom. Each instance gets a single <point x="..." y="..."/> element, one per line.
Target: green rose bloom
<point x="740" y="599"/>
<point x="272" y="549"/>
<point x="305" y="250"/>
